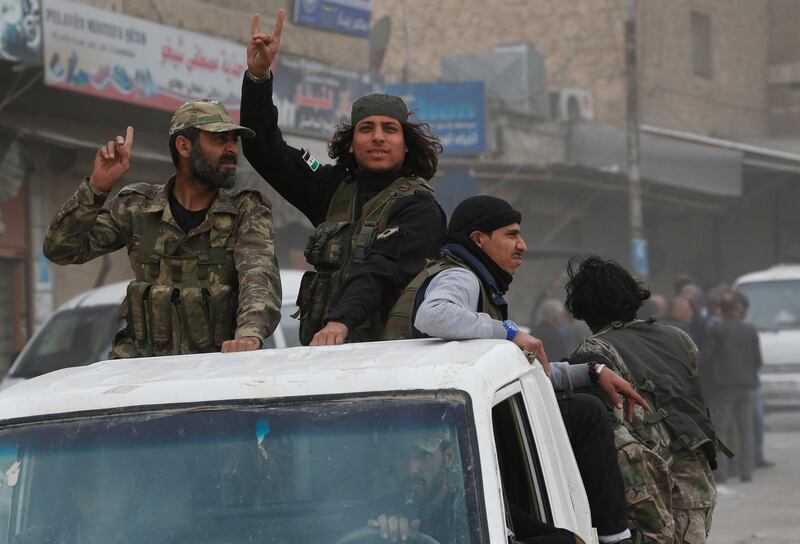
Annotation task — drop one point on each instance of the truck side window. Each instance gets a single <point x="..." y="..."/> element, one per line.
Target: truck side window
<point x="520" y="470"/>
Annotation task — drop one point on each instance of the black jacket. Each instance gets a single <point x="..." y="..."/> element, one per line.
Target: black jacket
<point x="389" y="263"/>
<point x="732" y="356"/>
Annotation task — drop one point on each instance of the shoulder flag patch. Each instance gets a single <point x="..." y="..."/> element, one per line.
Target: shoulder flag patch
<point x="310" y="160"/>
<point x="388" y="232"/>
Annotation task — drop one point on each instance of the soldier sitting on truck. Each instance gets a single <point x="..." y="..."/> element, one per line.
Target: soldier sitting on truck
<point x="666" y="457"/>
<point x="460" y="296"/>
<point x="202" y="253"/>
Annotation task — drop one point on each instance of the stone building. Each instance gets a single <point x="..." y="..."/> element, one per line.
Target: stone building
<point x="718" y="102"/>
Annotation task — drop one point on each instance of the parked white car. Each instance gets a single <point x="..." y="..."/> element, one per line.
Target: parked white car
<point x="81" y="330"/>
<point x="287" y="445"/>
<point x="774" y="296"/>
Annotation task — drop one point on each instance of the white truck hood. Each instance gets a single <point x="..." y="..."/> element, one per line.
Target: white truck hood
<point x="781" y="347"/>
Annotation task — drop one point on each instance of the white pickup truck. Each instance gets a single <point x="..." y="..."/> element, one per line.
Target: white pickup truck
<point x="298" y="445"/>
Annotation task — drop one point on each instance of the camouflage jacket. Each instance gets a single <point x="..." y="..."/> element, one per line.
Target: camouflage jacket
<point x="83" y="228"/>
<point x="693" y="481"/>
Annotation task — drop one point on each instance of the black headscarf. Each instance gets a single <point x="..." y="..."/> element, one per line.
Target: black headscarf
<point x="485" y="214"/>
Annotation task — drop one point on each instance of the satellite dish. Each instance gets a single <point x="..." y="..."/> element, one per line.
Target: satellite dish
<point x="378" y="40"/>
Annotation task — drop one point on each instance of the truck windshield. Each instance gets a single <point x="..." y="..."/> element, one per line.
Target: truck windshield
<point x="306" y="472"/>
<point x="773" y="304"/>
<point x="65" y="341"/>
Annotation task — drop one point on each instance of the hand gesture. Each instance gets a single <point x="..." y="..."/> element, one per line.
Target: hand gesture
<point x="612" y="384"/>
<point x="111" y="162"/>
<point x="262" y="48"/>
<point x="533" y="345"/>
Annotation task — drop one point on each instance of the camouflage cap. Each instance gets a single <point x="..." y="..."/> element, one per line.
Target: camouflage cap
<point x="207" y="115"/>
<point x="379" y="104"/>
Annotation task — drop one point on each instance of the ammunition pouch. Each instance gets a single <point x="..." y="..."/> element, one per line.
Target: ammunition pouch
<point x="312" y="303"/>
<point x="329" y="245"/>
<point x="194" y="311"/>
<point x="136" y="313"/>
<point x="161" y="310"/>
<point x="165" y="320"/>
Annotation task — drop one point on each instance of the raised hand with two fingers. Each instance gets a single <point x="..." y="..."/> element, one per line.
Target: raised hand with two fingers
<point x="262" y="48"/>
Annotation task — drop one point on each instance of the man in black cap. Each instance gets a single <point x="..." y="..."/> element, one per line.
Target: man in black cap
<point x="376" y="217"/>
<point x="461" y="296"/>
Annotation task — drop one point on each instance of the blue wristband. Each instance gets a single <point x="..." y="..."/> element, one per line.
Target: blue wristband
<point x="511" y="329"/>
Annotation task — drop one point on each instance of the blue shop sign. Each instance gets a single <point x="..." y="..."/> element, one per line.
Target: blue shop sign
<point x="345" y="16"/>
<point x="455" y="111"/>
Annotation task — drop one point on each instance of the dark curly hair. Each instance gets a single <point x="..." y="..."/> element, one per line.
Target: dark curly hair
<point x="423" y="149"/>
<point x="601" y="291"/>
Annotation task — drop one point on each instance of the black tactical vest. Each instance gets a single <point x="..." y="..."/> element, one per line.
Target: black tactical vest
<point x="338" y="245"/>
<point x="661" y="371"/>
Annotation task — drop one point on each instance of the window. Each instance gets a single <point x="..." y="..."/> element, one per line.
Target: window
<point x="63" y="341"/>
<point x="520" y="471"/>
<point x="774" y="305"/>
<point x="304" y="471"/>
<point x="701" y="44"/>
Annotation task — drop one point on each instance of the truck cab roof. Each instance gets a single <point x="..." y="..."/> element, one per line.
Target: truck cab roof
<point x="478" y="367"/>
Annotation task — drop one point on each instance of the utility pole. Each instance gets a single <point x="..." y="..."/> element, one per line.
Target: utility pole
<point x="638" y="242"/>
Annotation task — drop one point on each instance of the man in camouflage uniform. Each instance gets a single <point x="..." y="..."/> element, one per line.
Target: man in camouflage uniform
<point x="666" y="457"/>
<point x="203" y="254"/>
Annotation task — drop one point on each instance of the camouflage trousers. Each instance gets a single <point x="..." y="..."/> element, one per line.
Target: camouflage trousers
<point x="648" y="489"/>
<point x="691" y="526"/>
<point x="668" y="504"/>
<point x="693" y="497"/>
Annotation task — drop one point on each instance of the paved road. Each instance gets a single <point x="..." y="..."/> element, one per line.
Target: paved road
<point x="766" y="510"/>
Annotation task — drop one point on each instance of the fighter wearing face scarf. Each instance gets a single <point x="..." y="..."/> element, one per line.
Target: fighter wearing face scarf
<point x="462" y="296"/>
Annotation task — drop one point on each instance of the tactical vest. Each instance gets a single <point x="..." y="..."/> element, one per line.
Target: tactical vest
<point x="182" y="303"/>
<point x="339" y="244"/>
<point x="400" y="324"/>
<point x="661" y="371"/>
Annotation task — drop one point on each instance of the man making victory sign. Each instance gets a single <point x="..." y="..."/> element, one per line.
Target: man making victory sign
<point x="376" y="217"/>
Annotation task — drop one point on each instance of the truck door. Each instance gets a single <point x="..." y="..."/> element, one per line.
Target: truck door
<point x="533" y="453"/>
<point x="518" y="459"/>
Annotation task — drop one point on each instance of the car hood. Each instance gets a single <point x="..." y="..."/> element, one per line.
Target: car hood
<point x="780" y="347"/>
<point x="8" y="381"/>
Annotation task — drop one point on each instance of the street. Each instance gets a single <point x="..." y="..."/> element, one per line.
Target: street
<point x="766" y="510"/>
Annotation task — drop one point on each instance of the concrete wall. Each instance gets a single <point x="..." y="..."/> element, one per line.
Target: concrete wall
<point x="733" y="101"/>
<point x="784" y="76"/>
<point x="582" y="42"/>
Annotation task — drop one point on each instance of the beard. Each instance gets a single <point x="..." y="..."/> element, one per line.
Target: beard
<point x="419" y="491"/>
<point x="210" y="174"/>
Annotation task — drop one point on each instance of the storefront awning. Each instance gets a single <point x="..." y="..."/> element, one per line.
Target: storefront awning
<point x="665" y="159"/>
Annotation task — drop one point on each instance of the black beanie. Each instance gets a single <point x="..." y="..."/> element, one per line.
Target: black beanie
<point x="482" y="213"/>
